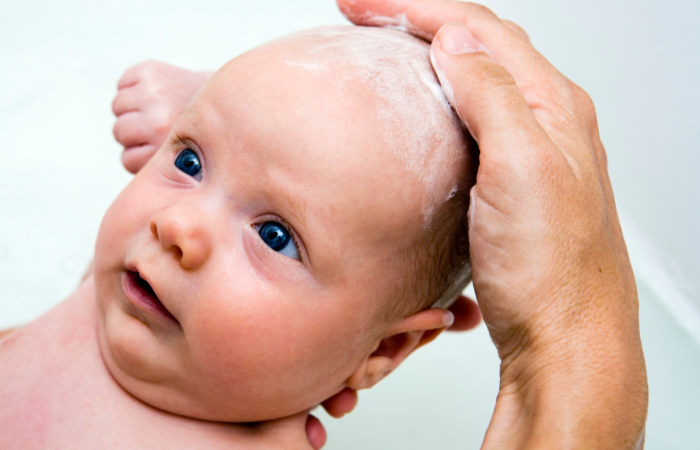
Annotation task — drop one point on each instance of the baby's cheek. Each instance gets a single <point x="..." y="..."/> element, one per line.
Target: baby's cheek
<point x="131" y="349"/>
<point x="261" y="347"/>
<point x="234" y="347"/>
<point x="122" y="219"/>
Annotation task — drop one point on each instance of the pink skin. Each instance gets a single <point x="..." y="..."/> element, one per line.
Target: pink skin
<point x="589" y="390"/>
<point x="244" y="333"/>
<point x="150" y="99"/>
<point x="82" y="407"/>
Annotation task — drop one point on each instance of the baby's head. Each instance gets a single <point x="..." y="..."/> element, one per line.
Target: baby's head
<point x="289" y="239"/>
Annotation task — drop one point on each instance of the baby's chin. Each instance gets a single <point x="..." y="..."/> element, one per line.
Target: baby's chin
<point x="161" y="388"/>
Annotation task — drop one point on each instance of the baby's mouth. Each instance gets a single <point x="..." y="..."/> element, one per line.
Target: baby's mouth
<point x="142" y="294"/>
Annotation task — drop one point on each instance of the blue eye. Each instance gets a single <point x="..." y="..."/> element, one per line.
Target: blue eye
<point x="277" y="237"/>
<point x="188" y="162"/>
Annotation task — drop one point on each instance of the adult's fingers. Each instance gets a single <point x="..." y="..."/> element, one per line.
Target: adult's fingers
<point x="427" y="16"/>
<point x="517" y="29"/>
<point x="506" y="41"/>
<point x="466" y="313"/>
<point x="341" y="403"/>
<point x="487" y="100"/>
<point x="557" y="104"/>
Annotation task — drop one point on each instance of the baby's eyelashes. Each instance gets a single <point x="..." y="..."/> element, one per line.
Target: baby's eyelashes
<point x="187" y="161"/>
<point x="278" y="238"/>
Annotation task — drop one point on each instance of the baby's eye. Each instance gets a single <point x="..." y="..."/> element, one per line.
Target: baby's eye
<point x="278" y="238"/>
<point x="188" y="161"/>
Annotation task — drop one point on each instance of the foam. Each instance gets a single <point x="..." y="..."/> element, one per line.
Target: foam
<point x="399" y="22"/>
<point x="421" y="129"/>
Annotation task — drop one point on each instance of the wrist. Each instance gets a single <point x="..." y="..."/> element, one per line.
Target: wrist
<point x="580" y="384"/>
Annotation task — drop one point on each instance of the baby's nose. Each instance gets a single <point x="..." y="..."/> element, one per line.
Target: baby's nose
<point x="182" y="230"/>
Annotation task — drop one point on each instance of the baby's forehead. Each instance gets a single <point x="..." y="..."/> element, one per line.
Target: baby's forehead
<point x="388" y="73"/>
<point x="378" y="82"/>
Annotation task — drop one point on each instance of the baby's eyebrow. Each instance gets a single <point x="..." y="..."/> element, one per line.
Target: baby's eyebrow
<point x="177" y="140"/>
<point x="291" y="205"/>
<point x="191" y="114"/>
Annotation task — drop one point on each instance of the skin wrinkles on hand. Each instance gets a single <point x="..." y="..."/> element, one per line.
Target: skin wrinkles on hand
<point x="550" y="267"/>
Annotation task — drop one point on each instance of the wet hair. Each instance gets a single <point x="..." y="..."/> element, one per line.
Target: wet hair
<point x="438" y="268"/>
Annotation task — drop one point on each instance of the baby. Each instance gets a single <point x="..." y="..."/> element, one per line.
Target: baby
<point x="286" y="242"/>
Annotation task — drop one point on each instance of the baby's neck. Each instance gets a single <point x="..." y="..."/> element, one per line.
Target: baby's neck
<point x="57" y="392"/>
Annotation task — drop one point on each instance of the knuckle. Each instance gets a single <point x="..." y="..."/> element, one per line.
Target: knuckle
<point x="584" y="104"/>
<point x="602" y="156"/>
<point x="150" y="91"/>
<point x="520" y="31"/>
<point x="157" y="68"/>
<point x="160" y="120"/>
<point x="147" y="69"/>
<point x="479" y="10"/>
<point x="564" y="104"/>
<point x="139" y="68"/>
<point x="135" y="74"/>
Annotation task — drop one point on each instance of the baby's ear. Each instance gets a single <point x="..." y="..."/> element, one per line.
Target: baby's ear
<point x="402" y="337"/>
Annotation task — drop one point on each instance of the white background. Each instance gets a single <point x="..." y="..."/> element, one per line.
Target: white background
<point x="59" y="64"/>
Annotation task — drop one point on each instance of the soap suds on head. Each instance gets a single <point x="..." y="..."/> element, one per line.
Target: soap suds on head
<point x="399" y="22"/>
<point x="452" y="193"/>
<point x="444" y="82"/>
<point x="420" y="127"/>
<point x="309" y="66"/>
<point x="447" y="89"/>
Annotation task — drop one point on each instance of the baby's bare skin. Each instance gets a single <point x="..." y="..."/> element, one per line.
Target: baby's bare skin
<point x="66" y="398"/>
<point x="191" y="312"/>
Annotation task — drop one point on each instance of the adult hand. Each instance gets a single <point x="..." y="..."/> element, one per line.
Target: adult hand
<point x="150" y="98"/>
<point x="551" y="271"/>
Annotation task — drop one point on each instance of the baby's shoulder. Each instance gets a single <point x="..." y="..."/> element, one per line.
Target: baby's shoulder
<point x="32" y="352"/>
<point x="42" y="366"/>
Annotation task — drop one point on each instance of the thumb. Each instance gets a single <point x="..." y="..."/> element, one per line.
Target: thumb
<point x="481" y="91"/>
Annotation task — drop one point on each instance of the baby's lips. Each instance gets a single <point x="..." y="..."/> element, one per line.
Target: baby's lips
<point x="144" y="295"/>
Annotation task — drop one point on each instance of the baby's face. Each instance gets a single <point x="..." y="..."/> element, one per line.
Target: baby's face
<point x="245" y="272"/>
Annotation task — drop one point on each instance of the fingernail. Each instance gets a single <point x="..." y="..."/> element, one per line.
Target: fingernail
<point x="444" y="82"/>
<point x="448" y="319"/>
<point x="456" y="39"/>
